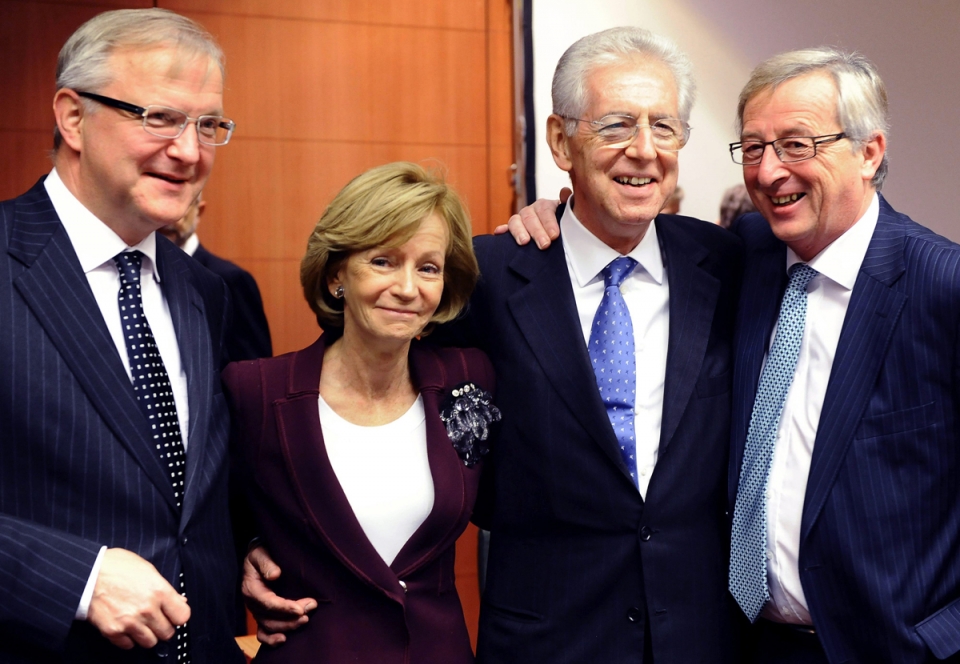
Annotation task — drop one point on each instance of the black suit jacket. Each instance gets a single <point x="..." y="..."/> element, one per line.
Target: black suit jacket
<point x="579" y="564"/>
<point x="77" y="465"/>
<point x="248" y="334"/>
<point x="880" y="533"/>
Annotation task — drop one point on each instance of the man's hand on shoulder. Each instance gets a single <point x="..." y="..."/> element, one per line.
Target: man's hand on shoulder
<point x="538" y="221"/>
<point x="274" y="614"/>
<point x="133" y="604"/>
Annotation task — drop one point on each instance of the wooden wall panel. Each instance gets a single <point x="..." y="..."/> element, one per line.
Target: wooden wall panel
<point x="31" y="34"/>
<point x="460" y="14"/>
<point x="348" y="82"/>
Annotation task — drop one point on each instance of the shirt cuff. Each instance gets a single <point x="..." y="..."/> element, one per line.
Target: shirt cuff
<point x="87" y="595"/>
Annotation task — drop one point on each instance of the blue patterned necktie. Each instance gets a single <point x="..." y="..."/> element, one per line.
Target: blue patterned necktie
<point x="748" y="560"/>
<point x="612" y="354"/>
<point x="151" y="384"/>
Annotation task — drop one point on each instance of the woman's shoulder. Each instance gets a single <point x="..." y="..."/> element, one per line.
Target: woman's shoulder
<point x="460" y="365"/>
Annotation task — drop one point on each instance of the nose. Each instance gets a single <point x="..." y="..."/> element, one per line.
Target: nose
<point x="642" y="147"/>
<point x="771" y="168"/>
<point x="406" y="284"/>
<point x="186" y="146"/>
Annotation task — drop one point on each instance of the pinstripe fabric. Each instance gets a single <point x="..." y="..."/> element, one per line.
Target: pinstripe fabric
<point x="76" y="466"/>
<point x="880" y="535"/>
<point x="580" y="565"/>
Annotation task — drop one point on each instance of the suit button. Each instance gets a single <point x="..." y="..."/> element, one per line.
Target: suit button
<point x="402" y="585"/>
<point x="645" y="533"/>
<point x="634" y="614"/>
<point x="184" y="541"/>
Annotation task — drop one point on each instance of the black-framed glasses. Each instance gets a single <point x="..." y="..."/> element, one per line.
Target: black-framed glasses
<point x="668" y="134"/>
<point x="791" y="148"/>
<point x="169" y="122"/>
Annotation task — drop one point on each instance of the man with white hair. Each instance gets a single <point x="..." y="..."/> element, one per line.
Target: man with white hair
<point x="115" y="542"/>
<point x="845" y="460"/>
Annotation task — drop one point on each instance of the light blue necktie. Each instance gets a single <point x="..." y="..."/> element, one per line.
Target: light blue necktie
<point x="748" y="560"/>
<point x="612" y="354"/>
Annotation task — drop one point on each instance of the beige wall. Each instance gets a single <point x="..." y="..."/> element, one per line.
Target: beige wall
<point x="913" y="44"/>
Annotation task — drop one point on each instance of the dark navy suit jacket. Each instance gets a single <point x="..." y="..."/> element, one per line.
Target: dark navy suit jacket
<point x="248" y="334"/>
<point x="579" y="563"/>
<point x="405" y="613"/>
<point x="78" y="468"/>
<point x="880" y="533"/>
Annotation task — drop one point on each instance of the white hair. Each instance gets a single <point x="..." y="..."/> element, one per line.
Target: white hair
<point x="861" y="95"/>
<point x="610" y="47"/>
<point x="84" y="61"/>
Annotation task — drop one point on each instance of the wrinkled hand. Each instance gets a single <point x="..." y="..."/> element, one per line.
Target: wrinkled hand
<point x="538" y="220"/>
<point x="133" y="604"/>
<point x="274" y="614"/>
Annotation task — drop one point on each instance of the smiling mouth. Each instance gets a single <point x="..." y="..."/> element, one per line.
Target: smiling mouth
<point x="786" y="200"/>
<point x="168" y="178"/>
<point x="633" y="182"/>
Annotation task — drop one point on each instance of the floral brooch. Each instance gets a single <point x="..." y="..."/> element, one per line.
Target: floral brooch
<point x="467" y="414"/>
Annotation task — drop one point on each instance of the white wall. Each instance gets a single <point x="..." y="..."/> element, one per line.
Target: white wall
<point x="913" y="44"/>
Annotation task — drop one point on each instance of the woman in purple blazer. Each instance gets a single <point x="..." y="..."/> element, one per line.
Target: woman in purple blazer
<point x="360" y="454"/>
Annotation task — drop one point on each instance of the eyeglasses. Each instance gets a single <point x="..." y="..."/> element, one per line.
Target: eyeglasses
<point x="668" y="134"/>
<point x="792" y="148"/>
<point x="170" y="123"/>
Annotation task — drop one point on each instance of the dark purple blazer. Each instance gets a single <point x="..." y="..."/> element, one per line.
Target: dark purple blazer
<point x="408" y="612"/>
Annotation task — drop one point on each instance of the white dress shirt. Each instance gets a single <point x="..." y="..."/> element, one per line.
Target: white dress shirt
<point x="828" y="296"/>
<point x="647" y="295"/>
<point x="385" y="473"/>
<point x="95" y="245"/>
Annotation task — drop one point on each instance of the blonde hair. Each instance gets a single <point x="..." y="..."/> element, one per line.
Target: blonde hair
<point x="384" y="207"/>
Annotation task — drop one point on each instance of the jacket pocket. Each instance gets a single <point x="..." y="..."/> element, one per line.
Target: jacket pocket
<point x="899" y="421"/>
<point x="941" y="631"/>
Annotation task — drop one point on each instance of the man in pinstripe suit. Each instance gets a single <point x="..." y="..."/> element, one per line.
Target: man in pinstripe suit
<point x="859" y="531"/>
<point x="95" y="538"/>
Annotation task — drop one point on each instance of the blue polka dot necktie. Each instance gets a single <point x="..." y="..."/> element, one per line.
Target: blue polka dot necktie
<point x="614" y="360"/>
<point x="748" y="559"/>
<point x="151" y="384"/>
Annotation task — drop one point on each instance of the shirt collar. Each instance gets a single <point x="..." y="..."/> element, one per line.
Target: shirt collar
<point x="191" y="244"/>
<point x="588" y="255"/>
<point x="93" y="241"/>
<point x="840" y="261"/>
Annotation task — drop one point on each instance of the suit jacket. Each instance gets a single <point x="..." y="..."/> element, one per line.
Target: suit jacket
<point x="77" y="466"/>
<point x="580" y="566"/>
<point x="248" y="334"/>
<point x="880" y="532"/>
<point x="408" y="612"/>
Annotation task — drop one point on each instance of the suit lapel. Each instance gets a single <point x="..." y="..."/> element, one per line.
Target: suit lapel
<point x="693" y="300"/>
<point x="56" y="290"/>
<point x="442" y="526"/>
<point x="322" y="497"/>
<point x="871" y="319"/>
<point x="764" y="281"/>
<point x="546" y="314"/>
<point x="189" y="323"/>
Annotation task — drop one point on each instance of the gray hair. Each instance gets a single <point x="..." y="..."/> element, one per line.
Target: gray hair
<point x="84" y="61"/>
<point x="610" y="47"/>
<point x="861" y="95"/>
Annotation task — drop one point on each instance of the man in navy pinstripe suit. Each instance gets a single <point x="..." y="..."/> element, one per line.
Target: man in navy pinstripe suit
<point x="94" y="536"/>
<point x="862" y="496"/>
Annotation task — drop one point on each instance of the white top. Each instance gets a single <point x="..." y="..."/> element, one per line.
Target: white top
<point x="828" y="296"/>
<point x="95" y="245"/>
<point x="647" y="295"/>
<point x="384" y="472"/>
